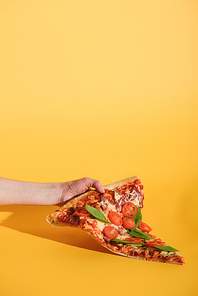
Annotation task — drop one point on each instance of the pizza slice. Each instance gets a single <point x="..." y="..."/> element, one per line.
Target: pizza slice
<point x="114" y="219"/>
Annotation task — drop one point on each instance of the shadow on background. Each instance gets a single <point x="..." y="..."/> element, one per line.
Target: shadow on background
<point x="32" y="220"/>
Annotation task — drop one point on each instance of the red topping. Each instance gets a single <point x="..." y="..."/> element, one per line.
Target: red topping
<point x="82" y="212"/>
<point x="115" y="218"/>
<point x="128" y="222"/>
<point x="134" y="240"/>
<point x="129" y="209"/>
<point x="155" y="243"/>
<point x="109" y="195"/>
<point x="144" y="227"/>
<point x="110" y="232"/>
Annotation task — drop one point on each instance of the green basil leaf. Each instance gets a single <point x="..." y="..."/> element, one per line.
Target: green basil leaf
<point x="97" y="214"/>
<point x="138" y="233"/>
<point x="120" y="241"/>
<point x="137" y="218"/>
<point x="166" y="248"/>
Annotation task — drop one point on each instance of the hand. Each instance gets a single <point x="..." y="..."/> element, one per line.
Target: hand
<point x="76" y="187"/>
<point x="13" y="192"/>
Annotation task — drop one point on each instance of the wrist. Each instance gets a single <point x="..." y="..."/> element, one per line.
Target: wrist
<point x="58" y="194"/>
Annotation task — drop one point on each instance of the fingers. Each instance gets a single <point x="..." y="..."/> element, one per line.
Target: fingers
<point x="93" y="183"/>
<point x="76" y="187"/>
<point x="98" y="185"/>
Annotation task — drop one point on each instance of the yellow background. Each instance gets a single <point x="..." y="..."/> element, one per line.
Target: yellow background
<point x="104" y="89"/>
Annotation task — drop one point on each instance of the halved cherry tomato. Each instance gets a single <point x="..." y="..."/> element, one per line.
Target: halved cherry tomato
<point x="128" y="222"/>
<point x="110" y="232"/>
<point x="134" y="240"/>
<point x="115" y="218"/>
<point x="129" y="209"/>
<point x="82" y="212"/>
<point x="154" y="243"/>
<point x="144" y="227"/>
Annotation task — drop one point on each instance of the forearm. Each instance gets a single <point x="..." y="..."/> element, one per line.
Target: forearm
<point x="14" y="192"/>
<point x="29" y="193"/>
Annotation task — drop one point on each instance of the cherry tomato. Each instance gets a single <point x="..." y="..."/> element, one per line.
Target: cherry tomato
<point x="82" y="212"/>
<point x="144" y="227"/>
<point x="110" y="232"/>
<point x="129" y="209"/>
<point x="128" y="222"/>
<point x="115" y="218"/>
<point x="155" y="243"/>
<point x="134" y="240"/>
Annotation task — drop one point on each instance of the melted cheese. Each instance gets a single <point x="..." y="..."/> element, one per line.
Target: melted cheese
<point x="135" y="198"/>
<point x="117" y="196"/>
<point x="100" y="225"/>
<point x="164" y="254"/>
<point x="111" y="207"/>
<point x="108" y="207"/>
<point x="171" y="253"/>
<point x="124" y="236"/>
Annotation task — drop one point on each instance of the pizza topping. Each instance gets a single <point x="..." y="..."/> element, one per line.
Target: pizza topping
<point x="132" y="191"/>
<point x="97" y="214"/>
<point x="129" y="209"/>
<point x="128" y="222"/>
<point x="91" y="198"/>
<point x="120" y="241"/>
<point x="115" y="218"/>
<point x="110" y="232"/>
<point x="166" y="248"/>
<point x="106" y="207"/>
<point x="72" y="220"/>
<point x="103" y="205"/>
<point x="108" y="195"/>
<point x="120" y="202"/>
<point x="61" y="216"/>
<point x="82" y="212"/>
<point x="67" y="216"/>
<point x="100" y="225"/>
<point x="136" y="198"/>
<point x="138" y="218"/>
<point x="134" y="240"/>
<point x="164" y="254"/>
<point x="156" y="242"/>
<point x="138" y="233"/>
<point x="144" y="227"/>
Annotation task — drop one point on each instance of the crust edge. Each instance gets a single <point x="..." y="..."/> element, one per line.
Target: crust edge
<point x="128" y="256"/>
<point x="121" y="182"/>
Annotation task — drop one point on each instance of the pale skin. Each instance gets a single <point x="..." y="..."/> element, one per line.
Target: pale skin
<point x="13" y="192"/>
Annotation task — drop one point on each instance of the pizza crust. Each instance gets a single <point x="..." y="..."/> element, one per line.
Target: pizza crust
<point x="121" y="182"/>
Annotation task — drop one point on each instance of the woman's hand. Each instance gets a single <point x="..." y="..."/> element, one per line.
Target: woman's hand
<point x="76" y="187"/>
